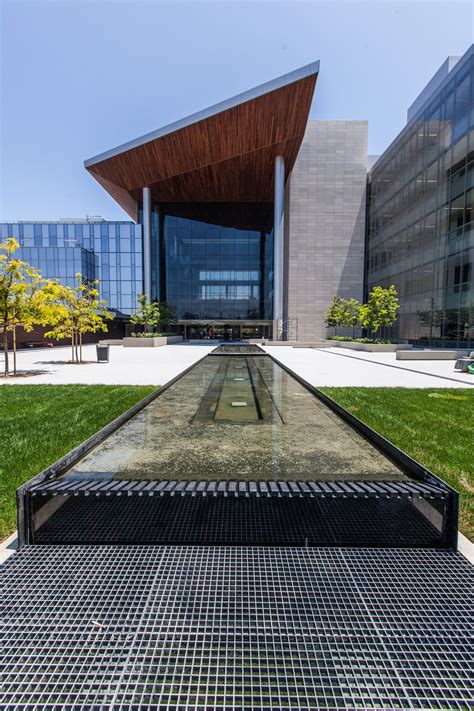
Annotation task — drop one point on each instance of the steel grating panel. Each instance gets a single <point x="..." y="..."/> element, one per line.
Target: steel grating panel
<point x="88" y="485"/>
<point x="179" y="628"/>
<point x="282" y="521"/>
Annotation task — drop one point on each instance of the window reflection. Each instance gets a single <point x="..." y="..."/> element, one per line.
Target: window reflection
<point x="420" y="217"/>
<point x="213" y="260"/>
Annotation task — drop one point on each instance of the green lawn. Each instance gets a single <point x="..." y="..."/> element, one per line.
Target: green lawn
<point x="435" y="427"/>
<point x="41" y="423"/>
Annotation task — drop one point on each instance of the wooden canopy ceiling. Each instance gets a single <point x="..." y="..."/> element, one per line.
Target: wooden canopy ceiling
<point x="224" y="154"/>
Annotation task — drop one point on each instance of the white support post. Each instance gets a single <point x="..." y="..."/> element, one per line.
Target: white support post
<point x="278" y="229"/>
<point x="147" y="242"/>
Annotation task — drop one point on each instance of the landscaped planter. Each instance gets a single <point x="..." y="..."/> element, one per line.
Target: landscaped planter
<point x="371" y="347"/>
<point x="440" y="354"/>
<point x="151" y="342"/>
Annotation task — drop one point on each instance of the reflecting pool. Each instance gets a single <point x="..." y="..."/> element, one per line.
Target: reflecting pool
<point x="237" y="417"/>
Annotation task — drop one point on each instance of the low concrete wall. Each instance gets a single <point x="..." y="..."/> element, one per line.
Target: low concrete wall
<point x="431" y="354"/>
<point x="297" y="344"/>
<point x="370" y="347"/>
<point x="111" y="342"/>
<point x="151" y="342"/>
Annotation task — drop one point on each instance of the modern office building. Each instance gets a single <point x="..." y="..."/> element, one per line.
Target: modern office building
<point x="421" y="205"/>
<point x="253" y="216"/>
<point x="108" y="251"/>
<point x="248" y="217"/>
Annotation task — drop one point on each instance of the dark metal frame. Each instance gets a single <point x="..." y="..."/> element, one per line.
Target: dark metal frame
<point x="408" y="465"/>
<point x="61" y="465"/>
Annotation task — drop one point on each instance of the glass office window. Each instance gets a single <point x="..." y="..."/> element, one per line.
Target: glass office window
<point x="53" y="235"/>
<point x="38" y="235"/>
<point x="213" y="261"/>
<point x="420" y="217"/>
<point x="61" y="250"/>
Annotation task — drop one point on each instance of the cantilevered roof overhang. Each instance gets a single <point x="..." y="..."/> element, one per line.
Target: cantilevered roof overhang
<point x="225" y="153"/>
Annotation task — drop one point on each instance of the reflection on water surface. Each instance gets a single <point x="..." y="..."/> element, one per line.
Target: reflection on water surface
<point x="237" y="417"/>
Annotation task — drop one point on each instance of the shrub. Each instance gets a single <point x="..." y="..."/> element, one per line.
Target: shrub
<point x="348" y="339"/>
<point x="151" y="335"/>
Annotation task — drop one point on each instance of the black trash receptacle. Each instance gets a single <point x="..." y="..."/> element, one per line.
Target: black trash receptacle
<point x="102" y="353"/>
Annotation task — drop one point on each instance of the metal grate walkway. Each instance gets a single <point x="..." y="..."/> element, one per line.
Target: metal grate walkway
<point x="88" y="485"/>
<point x="177" y="628"/>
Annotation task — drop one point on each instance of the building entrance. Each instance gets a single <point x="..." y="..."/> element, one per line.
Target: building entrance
<point x="224" y="330"/>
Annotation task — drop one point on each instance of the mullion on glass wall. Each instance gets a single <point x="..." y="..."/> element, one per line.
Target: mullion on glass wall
<point x="419" y="222"/>
<point x="212" y="270"/>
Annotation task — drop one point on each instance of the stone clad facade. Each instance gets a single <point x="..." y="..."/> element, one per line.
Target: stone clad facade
<point x="325" y="223"/>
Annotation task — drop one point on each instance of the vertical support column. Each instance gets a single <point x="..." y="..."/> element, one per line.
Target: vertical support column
<point x="278" y="228"/>
<point x="147" y="242"/>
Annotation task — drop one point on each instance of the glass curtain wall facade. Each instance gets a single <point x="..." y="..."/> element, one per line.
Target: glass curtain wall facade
<point x="420" y="216"/>
<point x="213" y="261"/>
<point x="62" y="263"/>
<point x="108" y="251"/>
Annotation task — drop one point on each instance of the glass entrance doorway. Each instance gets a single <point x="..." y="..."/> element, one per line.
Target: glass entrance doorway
<point x="224" y="330"/>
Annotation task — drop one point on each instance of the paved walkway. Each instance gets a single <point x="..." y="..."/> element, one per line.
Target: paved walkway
<point x="127" y="366"/>
<point x="338" y="367"/>
<point x="155" y="366"/>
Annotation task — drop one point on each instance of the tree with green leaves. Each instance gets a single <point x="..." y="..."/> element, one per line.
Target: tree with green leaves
<point x="351" y="313"/>
<point x="147" y="314"/>
<point x="24" y="297"/>
<point x="167" y="314"/>
<point x="433" y="318"/>
<point x="381" y="309"/>
<point x="334" y="316"/>
<point x="78" y="310"/>
<point x="466" y="322"/>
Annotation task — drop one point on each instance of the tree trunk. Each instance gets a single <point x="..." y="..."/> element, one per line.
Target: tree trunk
<point x="5" y="348"/>
<point x="80" y="346"/>
<point x="14" y="350"/>
<point x="353" y="331"/>
<point x="72" y="346"/>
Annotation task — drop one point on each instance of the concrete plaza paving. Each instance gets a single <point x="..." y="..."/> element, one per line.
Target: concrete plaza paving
<point x="340" y="367"/>
<point x="126" y="366"/>
<point x="156" y="366"/>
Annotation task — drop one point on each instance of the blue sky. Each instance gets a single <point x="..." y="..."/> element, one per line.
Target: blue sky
<point x="81" y="76"/>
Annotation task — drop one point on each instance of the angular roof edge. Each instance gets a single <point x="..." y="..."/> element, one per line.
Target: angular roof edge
<point x="267" y="87"/>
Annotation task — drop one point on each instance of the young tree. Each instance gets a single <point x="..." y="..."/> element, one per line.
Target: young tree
<point x="351" y="312"/>
<point x="79" y="310"/>
<point x="147" y="314"/>
<point x="334" y="315"/>
<point x="433" y="318"/>
<point x="167" y="314"/>
<point x="381" y="309"/>
<point x="92" y="309"/>
<point x="23" y="297"/>
<point x="466" y="322"/>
